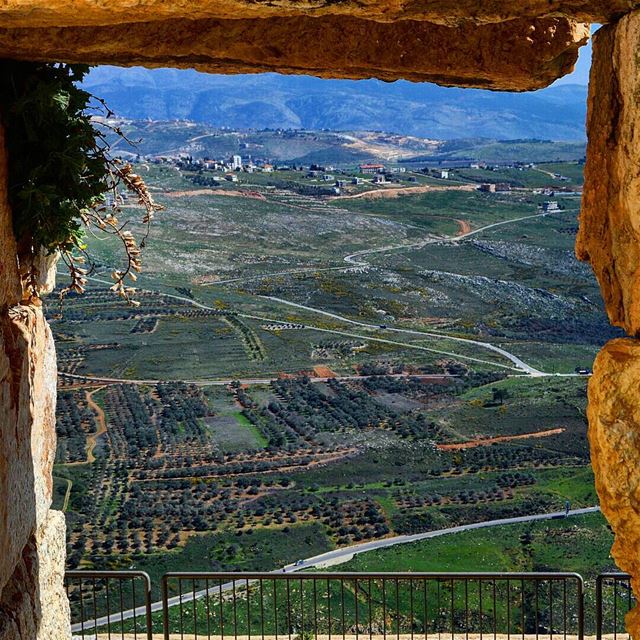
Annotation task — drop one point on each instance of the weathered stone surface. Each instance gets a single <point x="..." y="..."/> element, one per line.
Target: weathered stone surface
<point x="33" y="604"/>
<point x="44" y="267"/>
<point x="515" y="55"/>
<point x="614" y="435"/>
<point x="27" y="403"/>
<point x="31" y="13"/>
<point x="10" y="289"/>
<point x="27" y="420"/>
<point x="51" y="549"/>
<point x="609" y="235"/>
<point x="30" y="537"/>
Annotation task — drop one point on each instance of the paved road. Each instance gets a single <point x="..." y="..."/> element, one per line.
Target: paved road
<point x="338" y="332"/>
<point x="519" y="364"/>
<point x="345" y="554"/>
<point x="353" y="258"/>
<point x="337" y="556"/>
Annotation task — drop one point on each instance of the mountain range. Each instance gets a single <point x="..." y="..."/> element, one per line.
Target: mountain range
<point x="275" y="101"/>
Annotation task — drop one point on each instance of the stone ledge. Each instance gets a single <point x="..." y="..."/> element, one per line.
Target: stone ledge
<point x="518" y="55"/>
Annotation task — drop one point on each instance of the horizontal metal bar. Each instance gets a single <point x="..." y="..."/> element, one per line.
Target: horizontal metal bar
<point x="195" y="575"/>
<point x="81" y="573"/>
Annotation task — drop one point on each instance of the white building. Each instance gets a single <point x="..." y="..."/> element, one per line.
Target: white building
<point x="236" y="163"/>
<point x="550" y="205"/>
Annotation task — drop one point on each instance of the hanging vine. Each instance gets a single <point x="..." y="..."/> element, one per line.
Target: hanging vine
<point x="63" y="180"/>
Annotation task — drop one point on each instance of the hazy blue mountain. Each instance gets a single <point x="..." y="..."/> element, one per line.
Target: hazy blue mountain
<point x="276" y="101"/>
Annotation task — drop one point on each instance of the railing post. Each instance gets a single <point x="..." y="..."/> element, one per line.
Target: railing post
<point x="147" y="605"/>
<point x="599" y="580"/>
<point x="580" y="607"/>
<point x="165" y="606"/>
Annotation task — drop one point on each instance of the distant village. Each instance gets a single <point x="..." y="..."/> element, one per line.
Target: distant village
<point x="335" y="180"/>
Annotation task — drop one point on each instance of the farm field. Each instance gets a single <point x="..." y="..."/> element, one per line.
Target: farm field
<point x="328" y="369"/>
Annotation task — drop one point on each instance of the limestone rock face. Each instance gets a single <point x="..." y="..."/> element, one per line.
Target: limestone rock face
<point x="51" y="547"/>
<point x="33" y="605"/>
<point x="44" y="266"/>
<point x="515" y="55"/>
<point x="27" y="404"/>
<point x="614" y="435"/>
<point x="33" y="13"/>
<point x="609" y="235"/>
<point x="27" y="449"/>
<point x="10" y="286"/>
<point x="32" y="597"/>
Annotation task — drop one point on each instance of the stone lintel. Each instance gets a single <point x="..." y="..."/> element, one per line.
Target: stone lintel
<point x="60" y="13"/>
<point x="517" y="55"/>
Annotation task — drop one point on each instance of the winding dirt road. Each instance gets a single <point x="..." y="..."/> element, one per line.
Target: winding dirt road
<point x="92" y="439"/>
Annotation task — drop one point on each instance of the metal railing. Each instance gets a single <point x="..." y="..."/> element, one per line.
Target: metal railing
<point x="110" y="605"/>
<point x="614" y="599"/>
<point x="349" y="606"/>
<point x="102" y="602"/>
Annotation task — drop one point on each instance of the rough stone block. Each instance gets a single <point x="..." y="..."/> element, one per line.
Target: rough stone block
<point x="33" y="603"/>
<point x="32" y="13"/>
<point x="515" y="55"/>
<point x="609" y="234"/>
<point x="614" y="436"/>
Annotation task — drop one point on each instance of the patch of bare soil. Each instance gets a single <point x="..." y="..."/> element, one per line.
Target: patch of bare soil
<point x="396" y="192"/>
<point x="323" y="372"/>
<point x="463" y="227"/>
<point x="92" y="439"/>
<point x="485" y="442"/>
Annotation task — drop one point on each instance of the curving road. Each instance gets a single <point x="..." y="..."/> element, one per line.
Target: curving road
<point x="352" y="258"/>
<point x="330" y="558"/>
<point x="348" y="334"/>
<point x="355" y="260"/>
<point x="519" y="364"/>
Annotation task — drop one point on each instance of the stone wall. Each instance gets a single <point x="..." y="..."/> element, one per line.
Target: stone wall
<point x="32" y="537"/>
<point x="609" y="238"/>
<point x="493" y="44"/>
<point x="614" y="435"/>
<point x="609" y="234"/>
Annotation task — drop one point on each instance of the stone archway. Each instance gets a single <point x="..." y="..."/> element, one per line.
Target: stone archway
<point x="492" y="44"/>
